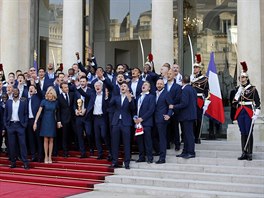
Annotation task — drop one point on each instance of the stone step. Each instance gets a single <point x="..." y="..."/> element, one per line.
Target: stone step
<point x="255" y="171"/>
<point x="223" y="145"/>
<point x="216" y="161"/>
<point x="218" y="154"/>
<point x="211" y="161"/>
<point x="196" y="176"/>
<point x="186" y="184"/>
<point x="157" y="191"/>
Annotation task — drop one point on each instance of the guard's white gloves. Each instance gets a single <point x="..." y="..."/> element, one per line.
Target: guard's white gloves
<point x="256" y="114"/>
<point x="206" y="104"/>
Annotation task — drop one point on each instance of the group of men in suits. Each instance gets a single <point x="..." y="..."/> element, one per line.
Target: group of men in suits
<point x="107" y="109"/>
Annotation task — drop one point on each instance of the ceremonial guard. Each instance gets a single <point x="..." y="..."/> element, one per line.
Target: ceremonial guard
<point x="247" y="102"/>
<point x="200" y="84"/>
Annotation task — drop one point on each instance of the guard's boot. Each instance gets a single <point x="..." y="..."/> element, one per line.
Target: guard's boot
<point x="243" y="143"/>
<point x="250" y="148"/>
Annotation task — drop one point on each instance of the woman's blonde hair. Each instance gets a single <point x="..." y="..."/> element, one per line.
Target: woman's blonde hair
<point x="53" y="92"/>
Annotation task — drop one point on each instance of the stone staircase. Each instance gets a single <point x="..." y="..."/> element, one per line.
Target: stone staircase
<point x="215" y="172"/>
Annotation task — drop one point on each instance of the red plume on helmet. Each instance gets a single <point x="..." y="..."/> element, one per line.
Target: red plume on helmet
<point x="61" y="66"/>
<point x="1" y="67"/>
<point x="244" y="69"/>
<point x="198" y="61"/>
<point x="198" y="58"/>
<point x="244" y="66"/>
<point x="150" y="57"/>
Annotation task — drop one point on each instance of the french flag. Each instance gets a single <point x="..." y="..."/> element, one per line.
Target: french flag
<point x="215" y="109"/>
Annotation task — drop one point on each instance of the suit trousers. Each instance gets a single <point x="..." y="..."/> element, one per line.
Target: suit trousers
<point x="145" y="144"/>
<point x="162" y="131"/>
<point x="188" y="137"/>
<point x="35" y="142"/>
<point x="117" y="131"/>
<point x="100" y="131"/>
<point x="17" y="130"/>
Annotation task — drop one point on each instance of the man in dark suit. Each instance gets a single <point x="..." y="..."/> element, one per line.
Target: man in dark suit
<point x="145" y="108"/>
<point x="162" y="115"/>
<point x="173" y="134"/>
<point x="44" y="81"/>
<point x="124" y="107"/>
<point x="65" y="115"/>
<point x="23" y="89"/>
<point x="187" y="115"/>
<point x="16" y="120"/>
<point x="136" y="83"/>
<point x="83" y="122"/>
<point x="96" y="111"/>
<point x="34" y="140"/>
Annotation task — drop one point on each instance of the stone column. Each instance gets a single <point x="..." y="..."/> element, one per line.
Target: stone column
<point x="72" y="35"/>
<point x="162" y="32"/>
<point x="10" y="35"/>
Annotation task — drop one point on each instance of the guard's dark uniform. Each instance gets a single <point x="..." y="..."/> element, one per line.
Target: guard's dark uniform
<point x="200" y="84"/>
<point x="247" y="103"/>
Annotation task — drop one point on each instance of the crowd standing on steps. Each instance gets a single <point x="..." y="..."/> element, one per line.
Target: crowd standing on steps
<point x="47" y="110"/>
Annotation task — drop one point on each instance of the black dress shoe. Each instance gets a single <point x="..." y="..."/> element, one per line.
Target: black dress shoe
<point x="83" y="156"/>
<point x="34" y="159"/>
<point x="160" y="162"/>
<point x="99" y="157"/>
<point x="243" y="156"/>
<point x="13" y="165"/>
<point x="26" y="166"/>
<point x="177" y="148"/>
<point x="150" y="161"/>
<point x="91" y="152"/>
<point x="188" y="156"/>
<point x="249" y="157"/>
<point x="109" y="158"/>
<point x="127" y="167"/>
<point x="197" y="141"/>
<point x="65" y="155"/>
<point x="140" y="160"/>
<point x="114" y="166"/>
<point x="181" y="155"/>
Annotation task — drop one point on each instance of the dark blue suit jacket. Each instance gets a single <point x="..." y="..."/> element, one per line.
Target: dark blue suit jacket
<point x="126" y="110"/>
<point x="188" y="104"/>
<point x="90" y="108"/>
<point x="175" y="92"/>
<point x="35" y="103"/>
<point x="147" y="110"/>
<point x="78" y="93"/>
<point x="22" y="112"/>
<point x="65" y="111"/>
<point x="162" y="107"/>
<point x="139" y="87"/>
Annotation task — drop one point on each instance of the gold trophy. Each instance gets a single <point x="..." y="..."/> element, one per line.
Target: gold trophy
<point x="79" y="105"/>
